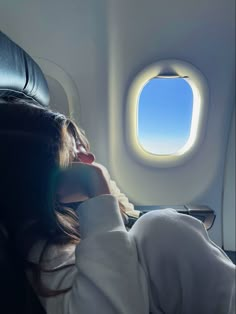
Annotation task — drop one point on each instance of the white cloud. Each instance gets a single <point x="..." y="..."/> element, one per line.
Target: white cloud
<point x="162" y="146"/>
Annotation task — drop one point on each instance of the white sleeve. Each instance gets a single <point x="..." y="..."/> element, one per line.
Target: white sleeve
<point x="107" y="277"/>
<point x="188" y="272"/>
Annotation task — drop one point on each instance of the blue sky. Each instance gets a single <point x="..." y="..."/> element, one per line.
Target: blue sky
<point x="164" y="115"/>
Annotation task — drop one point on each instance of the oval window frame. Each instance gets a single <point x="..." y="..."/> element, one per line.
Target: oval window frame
<point x="168" y="68"/>
<point x="54" y="71"/>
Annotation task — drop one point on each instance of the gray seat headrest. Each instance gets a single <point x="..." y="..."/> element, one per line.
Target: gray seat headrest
<point x="20" y="76"/>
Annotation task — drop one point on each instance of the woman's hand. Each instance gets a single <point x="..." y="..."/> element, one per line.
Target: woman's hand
<point x="82" y="181"/>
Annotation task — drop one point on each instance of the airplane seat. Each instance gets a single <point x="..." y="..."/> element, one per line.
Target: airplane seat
<point x="229" y="241"/>
<point x="20" y="76"/>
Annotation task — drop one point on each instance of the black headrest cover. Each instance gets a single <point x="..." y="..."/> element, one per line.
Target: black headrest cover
<point x="20" y="76"/>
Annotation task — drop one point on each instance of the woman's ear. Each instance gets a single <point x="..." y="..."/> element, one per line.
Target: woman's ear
<point x="83" y="155"/>
<point x="86" y="157"/>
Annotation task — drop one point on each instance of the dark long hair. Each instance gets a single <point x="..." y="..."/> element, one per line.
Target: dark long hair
<point x="35" y="144"/>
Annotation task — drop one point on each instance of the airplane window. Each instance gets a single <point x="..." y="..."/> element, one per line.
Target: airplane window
<point x="58" y="98"/>
<point x="64" y="95"/>
<point x="164" y="119"/>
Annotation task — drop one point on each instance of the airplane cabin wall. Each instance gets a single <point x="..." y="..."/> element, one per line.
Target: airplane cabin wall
<point x="193" y="31"/>
<point x="101" y="45"/>
<point x="229" y="241"/>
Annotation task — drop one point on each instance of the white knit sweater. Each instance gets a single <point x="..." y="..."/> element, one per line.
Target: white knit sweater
<point x="106" y="276"/>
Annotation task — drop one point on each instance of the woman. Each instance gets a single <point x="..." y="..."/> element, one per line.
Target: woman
<point x="83" y="260"/>
<point x="36" y="145"/>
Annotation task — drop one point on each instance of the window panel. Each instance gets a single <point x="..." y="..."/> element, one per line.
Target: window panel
<point x="164" y="115"/>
